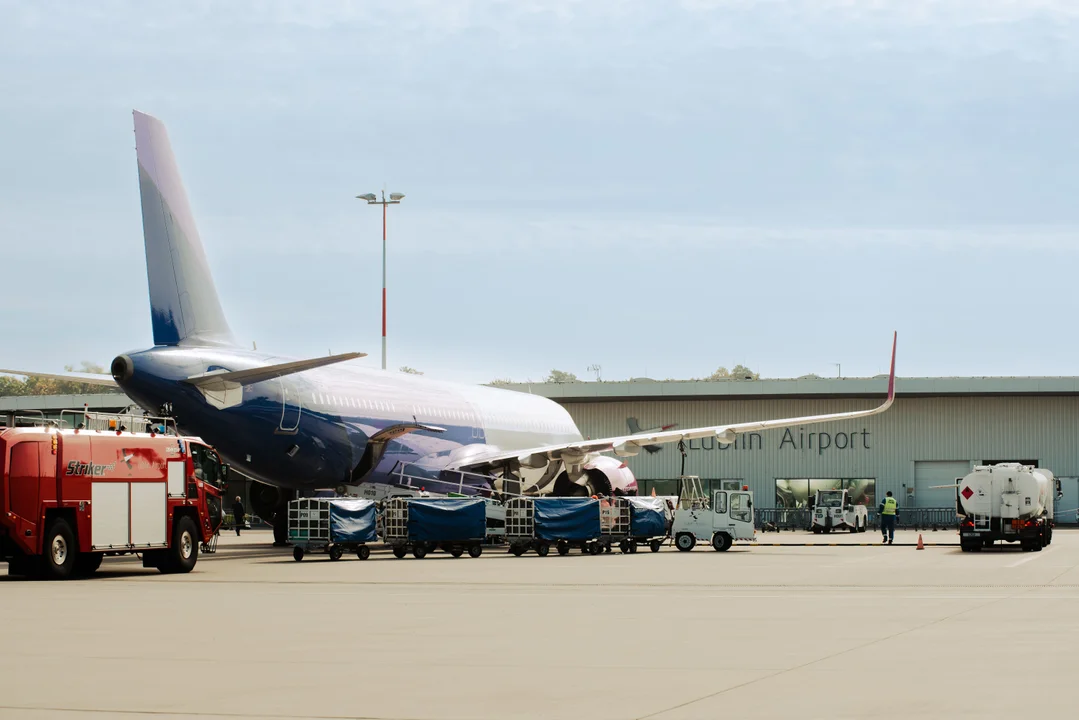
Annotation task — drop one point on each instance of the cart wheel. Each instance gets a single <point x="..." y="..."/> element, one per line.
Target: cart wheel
<point x="399" y="552"/>
<point x="607" y="548"/>
<point x="632" y="548"/>
<point x="624" y="546"/>
<point x="363" y="552"/>
<point x="517" y="550"/>
<point x="542" y="549"/>
<point x="336" y="552"/>
<point x="419" y="552"/>
<point x="563" y="548"/>
<point x="475" y="551"/>
<point x="595" y="549"/>
<point x="655" y="545"/>
<point x="457" y="551"/>
<point x="297" y="553"/>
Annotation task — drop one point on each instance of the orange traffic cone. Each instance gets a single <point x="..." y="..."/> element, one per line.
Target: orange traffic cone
<point x="653" y="492"/>
<point x="921" y="545"/>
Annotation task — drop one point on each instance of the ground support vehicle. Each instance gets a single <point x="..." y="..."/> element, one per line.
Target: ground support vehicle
<point x="423" y="525"/>
<point x="70" y="497"/>
<point x="1009" y="502"/>
<point x="833" y="510"/>
<point x="722" y="518"/>
<point x="333" y="525"/>
<point x="649" y="524"/>
<point x="542" y="522"/>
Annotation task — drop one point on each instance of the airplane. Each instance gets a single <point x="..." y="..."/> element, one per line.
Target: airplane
<point x="635" y="429"/>
<point x="297" y="426"/>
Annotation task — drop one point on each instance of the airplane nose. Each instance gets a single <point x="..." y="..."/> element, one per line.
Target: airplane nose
<point x="122" y="368"/>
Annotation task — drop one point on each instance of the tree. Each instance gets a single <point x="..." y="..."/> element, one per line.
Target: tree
<point x="37" y="385"/>
<point x="561" y="376"/>
<point x="500" y="381"/>
<point x="741" y="372"/>
<point x="410" y="371"/>
<point x="721" y="373"/>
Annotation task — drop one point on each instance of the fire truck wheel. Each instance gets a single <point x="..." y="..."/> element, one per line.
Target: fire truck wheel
<point x="685" y="542"/>
<point x="184" y="551"/>
<point x="363" y="552"/>
<point x="399" y="552"/>
<point x="58" y="560"/>
<point x="86" y="564"/>
<point x="655" y="545"/>
<point x="336" y="551"/>
<point x="297" y="553"/>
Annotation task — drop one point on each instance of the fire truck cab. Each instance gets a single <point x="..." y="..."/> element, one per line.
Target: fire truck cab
<point x="68" y="497"/>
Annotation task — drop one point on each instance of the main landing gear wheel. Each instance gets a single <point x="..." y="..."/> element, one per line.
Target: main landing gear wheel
<point x="475" y="551"/>
<point x="297" y="554"/>
<point x="363" y="552"/>
<point x="685" y="542"/>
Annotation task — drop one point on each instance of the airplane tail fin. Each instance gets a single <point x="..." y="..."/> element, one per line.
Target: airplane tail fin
<point x="183" y="300"/>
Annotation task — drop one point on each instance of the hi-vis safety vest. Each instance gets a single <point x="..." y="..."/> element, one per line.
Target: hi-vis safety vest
<point x="889" y="506"/>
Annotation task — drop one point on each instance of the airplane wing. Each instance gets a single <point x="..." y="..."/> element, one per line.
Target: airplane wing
<point x="221" y="380"/>
<point x="76" y="377"/>
<point x="629" y="445"/>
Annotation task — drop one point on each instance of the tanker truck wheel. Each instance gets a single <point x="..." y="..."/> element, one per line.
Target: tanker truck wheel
<point x="58" y="559"/>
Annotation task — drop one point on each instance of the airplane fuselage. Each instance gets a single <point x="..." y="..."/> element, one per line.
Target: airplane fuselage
<point x="313" y="430"/>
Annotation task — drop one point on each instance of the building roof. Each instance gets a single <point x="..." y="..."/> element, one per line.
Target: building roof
<point x="642" y="389"/>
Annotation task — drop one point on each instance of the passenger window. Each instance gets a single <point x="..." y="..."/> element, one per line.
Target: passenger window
<point x="721" y="502"/>
<point x="741" y="507"/>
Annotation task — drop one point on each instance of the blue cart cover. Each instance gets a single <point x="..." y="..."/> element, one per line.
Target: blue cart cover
<point x="446" y="519"/>
<point x="352" y="520"/>
<point x="648" y="517"/>
<point x="570" y="519"/>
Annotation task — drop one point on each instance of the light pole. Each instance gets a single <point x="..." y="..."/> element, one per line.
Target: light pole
<point x="395" y="199"/>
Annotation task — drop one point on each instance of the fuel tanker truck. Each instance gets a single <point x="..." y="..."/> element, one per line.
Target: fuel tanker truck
<point x="1007" y="501"/>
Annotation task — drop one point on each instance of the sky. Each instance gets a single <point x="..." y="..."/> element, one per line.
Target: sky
<point x="656" y="188"/>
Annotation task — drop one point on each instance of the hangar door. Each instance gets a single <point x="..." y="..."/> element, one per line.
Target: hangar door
<point x="928" y="474"/>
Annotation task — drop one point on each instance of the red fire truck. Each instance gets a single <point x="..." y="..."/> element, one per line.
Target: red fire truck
<point x="68" y="497"/>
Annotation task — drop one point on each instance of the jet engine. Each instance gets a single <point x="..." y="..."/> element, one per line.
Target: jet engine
<point x="602" y="475"/>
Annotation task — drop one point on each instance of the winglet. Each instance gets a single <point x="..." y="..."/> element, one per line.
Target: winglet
<point x="891" y="373"/>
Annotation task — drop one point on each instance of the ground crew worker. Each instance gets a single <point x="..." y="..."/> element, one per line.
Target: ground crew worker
<point x="238" y="515"/>
<point x="888" y="510"/>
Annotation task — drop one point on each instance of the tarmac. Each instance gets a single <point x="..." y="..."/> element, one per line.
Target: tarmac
<point x="788" y="631"/>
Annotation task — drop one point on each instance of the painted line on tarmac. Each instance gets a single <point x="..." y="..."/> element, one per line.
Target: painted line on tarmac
<point x="864" y="544"/>
<point x="1029" y="558"/>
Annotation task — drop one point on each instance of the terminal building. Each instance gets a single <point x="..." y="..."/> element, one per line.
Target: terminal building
<point x="937" y="430"/>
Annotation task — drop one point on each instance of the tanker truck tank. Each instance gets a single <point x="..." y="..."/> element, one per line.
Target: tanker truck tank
<point x="1009" y="502"/>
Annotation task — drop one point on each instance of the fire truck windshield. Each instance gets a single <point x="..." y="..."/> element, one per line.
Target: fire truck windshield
<point x="207" y="465"/>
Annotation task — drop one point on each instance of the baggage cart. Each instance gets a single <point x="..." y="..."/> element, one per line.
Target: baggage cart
<point x="614" y="522"/>
<point x="423" y="525"/>
<point x="650" y="521"/>
<point x="538" y="523"/>
<point x="333" y="525"/>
